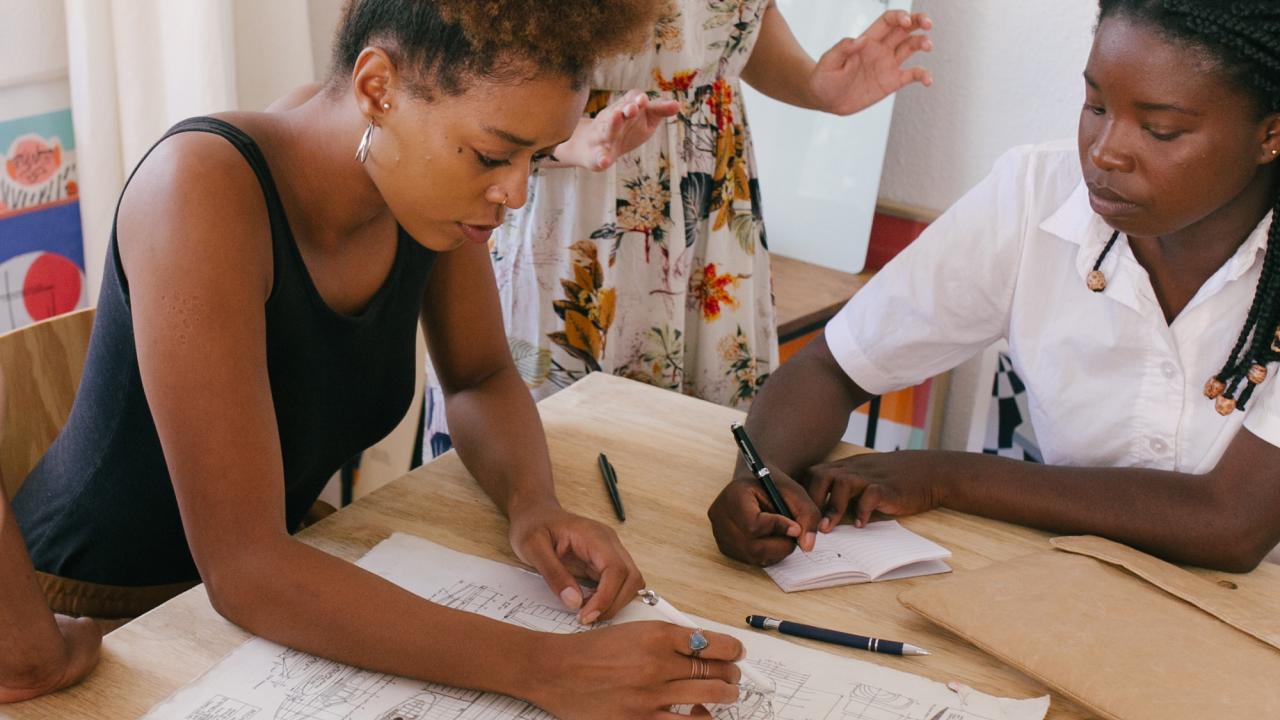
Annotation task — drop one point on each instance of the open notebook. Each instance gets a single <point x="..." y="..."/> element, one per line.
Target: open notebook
<point x="847" y="555"/>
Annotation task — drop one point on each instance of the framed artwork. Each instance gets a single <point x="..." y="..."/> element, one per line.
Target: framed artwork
<point x="41" y="244"/>
<point x="909" y="419"/>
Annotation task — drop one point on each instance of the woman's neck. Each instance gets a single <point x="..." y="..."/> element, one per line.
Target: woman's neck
<point x="333" y="195"/>
<point x="1180" y="263"/>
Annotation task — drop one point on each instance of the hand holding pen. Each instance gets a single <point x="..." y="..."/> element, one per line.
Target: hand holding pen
<point x="746" y="519"/>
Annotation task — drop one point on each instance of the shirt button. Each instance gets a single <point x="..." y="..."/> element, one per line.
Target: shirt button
<point x="1168" y="369"/>
<point x="1159" y="445"/>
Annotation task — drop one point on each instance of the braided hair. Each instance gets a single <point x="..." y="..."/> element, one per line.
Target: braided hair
<point x="1244" y="37"/>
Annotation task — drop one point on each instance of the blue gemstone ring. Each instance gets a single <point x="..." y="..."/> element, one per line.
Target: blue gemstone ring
<point x="698" y="642"/>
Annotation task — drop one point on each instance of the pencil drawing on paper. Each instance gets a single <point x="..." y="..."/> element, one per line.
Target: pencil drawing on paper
<point x="317" y="689"/>
<point x="221" y="707"/>
<point x="526" y="613"/>
<point x="264" y="681"/>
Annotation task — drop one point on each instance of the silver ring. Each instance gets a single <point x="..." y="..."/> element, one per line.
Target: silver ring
<point x="698" y="642"/>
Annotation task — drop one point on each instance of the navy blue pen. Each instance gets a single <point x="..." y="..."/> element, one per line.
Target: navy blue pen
<point x="835" y="637"/>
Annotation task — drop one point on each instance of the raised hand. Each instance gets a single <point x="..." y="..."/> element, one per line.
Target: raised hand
<point x="620" y="128"/>
<point x="858" y="73"/>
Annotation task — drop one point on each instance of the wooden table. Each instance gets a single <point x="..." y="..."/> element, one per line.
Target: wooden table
<point x="673" y="454"/>
<point x="808" y="295"/>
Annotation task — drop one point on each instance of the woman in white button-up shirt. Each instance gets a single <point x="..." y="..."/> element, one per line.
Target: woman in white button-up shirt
<point x="1131" y="275"/>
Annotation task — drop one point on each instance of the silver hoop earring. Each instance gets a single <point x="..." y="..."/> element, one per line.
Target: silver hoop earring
<point x="366" y="141"/>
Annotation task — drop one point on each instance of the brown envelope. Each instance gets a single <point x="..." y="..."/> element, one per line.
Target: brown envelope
<point x="1127" y="635"/>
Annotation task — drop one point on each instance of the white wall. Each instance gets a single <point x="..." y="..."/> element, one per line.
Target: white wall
<point x="325" y="15"/>
<point x="33" y="59"/>
<point x="270" y="63"/>
<point x="1005" y="73"/>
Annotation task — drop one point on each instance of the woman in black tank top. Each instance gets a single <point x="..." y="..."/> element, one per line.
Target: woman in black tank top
<point x="256" y="329"/>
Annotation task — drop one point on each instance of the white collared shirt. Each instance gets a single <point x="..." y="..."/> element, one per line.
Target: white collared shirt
<point x="1109" y="381"/>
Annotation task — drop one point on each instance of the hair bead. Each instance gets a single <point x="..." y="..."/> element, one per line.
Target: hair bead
<point x="1224" y="405"/>
<point x="1257" y="373"/>
<point x="1095" y="280"/>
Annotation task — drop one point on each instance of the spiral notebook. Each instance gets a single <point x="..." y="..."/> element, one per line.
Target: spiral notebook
<point x="847" y="555"/>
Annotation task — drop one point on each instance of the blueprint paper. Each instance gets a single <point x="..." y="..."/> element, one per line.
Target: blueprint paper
<point x="265" y="681"/>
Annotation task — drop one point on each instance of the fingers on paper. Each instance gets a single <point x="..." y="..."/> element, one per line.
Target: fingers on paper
<point x="715" y="689"/>
<point x="871" y="499"/>
<point x="833" y="486"/>
<point x="542" y="556"/>
<point x="618" y="585"/>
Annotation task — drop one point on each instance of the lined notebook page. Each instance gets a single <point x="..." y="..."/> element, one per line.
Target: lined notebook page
<point x="880" y="551"/>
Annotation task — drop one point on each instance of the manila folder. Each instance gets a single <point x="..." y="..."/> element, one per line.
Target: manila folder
<point x="1123" y="633"/>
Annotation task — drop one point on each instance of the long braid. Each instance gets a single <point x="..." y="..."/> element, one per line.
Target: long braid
<point x="1245" y="37"/>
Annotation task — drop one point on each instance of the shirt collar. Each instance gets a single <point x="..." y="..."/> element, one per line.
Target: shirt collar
<point x="1076" y="222"/>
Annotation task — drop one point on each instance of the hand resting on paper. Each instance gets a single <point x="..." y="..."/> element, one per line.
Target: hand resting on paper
<point x="637" y="670"/>
<point x="894" y="483"/>
<point x="565" y="548"/>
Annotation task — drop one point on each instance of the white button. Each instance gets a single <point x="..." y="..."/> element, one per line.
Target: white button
<point x="1169" y="369"/>
<point x="1159" y="445"/>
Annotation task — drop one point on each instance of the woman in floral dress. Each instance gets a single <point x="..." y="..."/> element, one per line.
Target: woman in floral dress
<point x="656" y="267"/>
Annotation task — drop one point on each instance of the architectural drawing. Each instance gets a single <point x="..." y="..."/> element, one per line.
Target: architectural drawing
<point x="221" y="707"/>
<point x="330" y="691"/>
<point x="487" y="601"/>
<point x="264" y="681"/>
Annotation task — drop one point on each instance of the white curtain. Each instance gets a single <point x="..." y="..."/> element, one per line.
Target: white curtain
<point x="138" y="66"/>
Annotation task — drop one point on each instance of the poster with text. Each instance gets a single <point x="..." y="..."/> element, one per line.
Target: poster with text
<point x="41" y="244"/>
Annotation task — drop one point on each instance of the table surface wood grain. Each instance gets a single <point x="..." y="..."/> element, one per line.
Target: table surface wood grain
<point x="672" y="454"/>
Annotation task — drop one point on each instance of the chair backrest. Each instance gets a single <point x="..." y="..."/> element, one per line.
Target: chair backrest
<point x="41" y="365"/>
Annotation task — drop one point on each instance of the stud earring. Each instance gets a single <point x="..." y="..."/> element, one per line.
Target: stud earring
<point x="386" y="105"/>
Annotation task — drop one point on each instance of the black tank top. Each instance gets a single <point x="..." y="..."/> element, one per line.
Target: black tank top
<point x="100" y="506"/>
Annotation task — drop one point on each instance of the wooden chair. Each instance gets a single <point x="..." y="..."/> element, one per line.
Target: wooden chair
<point x="41" y="364"/>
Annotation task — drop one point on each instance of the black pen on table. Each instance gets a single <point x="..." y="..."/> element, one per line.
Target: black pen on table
<point x="758" y="468"/>
<point x="611" y="484"/>
<point x="835" y="637"/>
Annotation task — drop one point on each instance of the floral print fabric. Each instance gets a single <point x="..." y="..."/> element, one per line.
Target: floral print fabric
<point x="656" y="269"/>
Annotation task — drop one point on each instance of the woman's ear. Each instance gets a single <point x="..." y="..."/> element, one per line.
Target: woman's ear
<point x="372" y="79"/>
<point x="1270" y="139"/>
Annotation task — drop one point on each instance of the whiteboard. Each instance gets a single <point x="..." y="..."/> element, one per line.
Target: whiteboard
<point x="819" y="173"/>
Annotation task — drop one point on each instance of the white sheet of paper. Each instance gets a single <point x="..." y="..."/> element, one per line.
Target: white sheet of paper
<point x="262" y="680"/>
<point x="879" y="551"/>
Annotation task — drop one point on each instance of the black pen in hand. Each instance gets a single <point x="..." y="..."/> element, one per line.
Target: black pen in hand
<point x="758" y="468"/>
